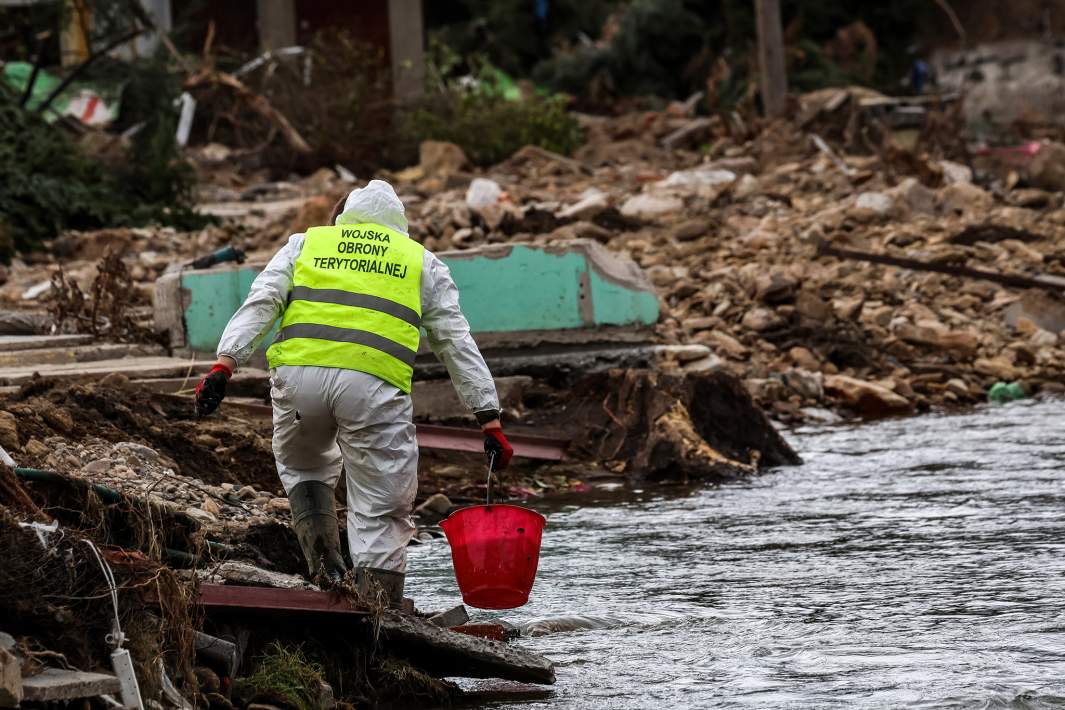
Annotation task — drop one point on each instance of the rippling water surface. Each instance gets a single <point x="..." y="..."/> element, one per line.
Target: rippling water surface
<point x="909" y="563"/>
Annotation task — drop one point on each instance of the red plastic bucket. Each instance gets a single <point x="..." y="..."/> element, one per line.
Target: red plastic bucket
<point x="495" y="550"/>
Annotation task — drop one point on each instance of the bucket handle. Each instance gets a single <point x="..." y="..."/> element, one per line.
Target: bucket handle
<point x="488" y="485"/>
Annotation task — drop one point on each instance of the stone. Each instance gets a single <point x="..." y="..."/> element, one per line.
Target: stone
<point x="10" y="679"/>
<point x="914" y="196"/>
<point x="8" y="431"/>
<point x="761" y="319"/>
<point x="440" y="158"/>
<point x="809" y="385"/>
<point x="1047" y="167"/>
<point x="36" y="449"/>
<point x="998" y="367"/>
<point x="877" y="203"/>
<point x="847" y="307"/>
<point x="957" y="386"/>
<point x="804" y="358"/>
<point x="693" y="325"/>
<point x="810" y="305"/>
<point x="454" y="616"/>
<point x="207" y="679"/>
<point x="746" y="187"/>
<point x="200" y="515"/>
<point x="955" y="172"/>
<point x="698" y="178"/>
<point x="437" y="504"/>
<point x="58" y="418"/>
<point x="776" y="287"/>
<point x="689" y="229"/>
<point x="723" y="342"/>
<point x="965" y="199"/>
<point x="210" y="506"/>
<point x="1043" y="339"/>
<point x="646" y="205"/>
<point x="964" y="344"/>
<point x="279" y="505"/>
<point x="867" y="398"/>
<point x="98" y="466"/>
<point x="1041" y="308"/>
<point x="247" y="493"/>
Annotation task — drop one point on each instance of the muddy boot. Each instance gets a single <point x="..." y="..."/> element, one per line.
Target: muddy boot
<point x="314" y="518"/>
<point x="379" y="587"/>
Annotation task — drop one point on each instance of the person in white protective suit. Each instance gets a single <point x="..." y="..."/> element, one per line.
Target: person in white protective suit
<point x="351" y="297"/>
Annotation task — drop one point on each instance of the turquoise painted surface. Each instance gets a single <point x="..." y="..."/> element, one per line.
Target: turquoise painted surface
<point x="529" y="289"/>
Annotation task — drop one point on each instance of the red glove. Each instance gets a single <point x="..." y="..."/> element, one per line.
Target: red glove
<point x="497" y="448"/>
<point x="212" y="389"/>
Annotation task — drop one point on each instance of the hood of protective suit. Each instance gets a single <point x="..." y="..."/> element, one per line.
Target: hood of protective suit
<point x="377" y="203"/>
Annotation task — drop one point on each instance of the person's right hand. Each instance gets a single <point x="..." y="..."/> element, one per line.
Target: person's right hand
<point x="212" y="389"/>
<point x="496" y="447"/>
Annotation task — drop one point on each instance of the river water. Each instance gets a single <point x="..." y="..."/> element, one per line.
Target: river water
<point x="916" y="563"/>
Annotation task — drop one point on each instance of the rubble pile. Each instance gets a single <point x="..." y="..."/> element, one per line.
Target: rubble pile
<point x="732" y="236"/>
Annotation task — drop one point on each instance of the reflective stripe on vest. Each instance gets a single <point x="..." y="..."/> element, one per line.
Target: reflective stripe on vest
<point x="355" y="303"/>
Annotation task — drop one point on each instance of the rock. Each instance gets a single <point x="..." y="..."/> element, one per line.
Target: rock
<point x="723" y="342"/>
<point x="689" y="229"/>
<point x="998" y="367"/>
<point x="97" y="466"/>
<point x="848" y="308"/>
<point x="746" y="187"/>
<point x="1043" y="339"/>
<point x="210" y="506"/>
<point x="440" y="158"/>
<point x="279" y="505"/>
<point x="313" y="212"/>
<point x="761" y="319"/>
<point x="962" y="343"/>
<point x="810" y="305"/>
<point x="776" y="287"/>
<point x="804" y="358"/>
<point x="878" y="203"/>
<point x="8" y="431"/>
<point x="200" y="515"/>
<point x="36" y="449"/>
<point x="955" y="172"/>
<point x="589" y="206"/>
<point x="1047" y="167"/>
<point x="434" y="509"/>
<point x="646" y="205"/>
<point x="698" y="178"/>
<point x="914" y="196"/>
<point x="58" y="418"/>
<point x="965" y="199"/>
<point x="957" y="387"/>
<point x="810" y="385"/>
<point x="10" y="679"/>
<point x="1043" y="309"/>
<point x="867" y="398"/>
<point x="483" y="193"/>
<point x="247" y="493"/>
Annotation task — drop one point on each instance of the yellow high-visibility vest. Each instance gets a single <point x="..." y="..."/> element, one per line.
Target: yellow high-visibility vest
<point x="355" y="303"/>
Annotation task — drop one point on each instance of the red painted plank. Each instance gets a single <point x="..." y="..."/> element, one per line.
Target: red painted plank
<point x="219" y="596"/>
<point x="432" y="436"/>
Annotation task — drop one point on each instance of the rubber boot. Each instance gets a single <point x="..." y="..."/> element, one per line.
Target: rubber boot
<point x="377" y="587"/>
<point x="314" y="518"/>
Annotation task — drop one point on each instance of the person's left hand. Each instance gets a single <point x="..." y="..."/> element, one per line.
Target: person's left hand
<point x="496" y="447"/>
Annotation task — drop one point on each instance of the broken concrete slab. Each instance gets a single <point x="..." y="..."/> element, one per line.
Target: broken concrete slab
<point x="136" y="367"/>
<point x="444" y="653"/>
<point x="54" y="684"/>
<point x="11" y="343"/>
<point x="454" y="616"/>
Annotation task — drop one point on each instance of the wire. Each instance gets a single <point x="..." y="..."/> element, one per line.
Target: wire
<point x="116" y="638"/>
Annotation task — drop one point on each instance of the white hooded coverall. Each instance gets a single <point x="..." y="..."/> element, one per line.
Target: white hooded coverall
<point x="328" y="417"/>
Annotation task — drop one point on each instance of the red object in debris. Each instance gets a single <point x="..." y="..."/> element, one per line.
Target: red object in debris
<point x="495" y="632"/>
<point x="495" y="550"/>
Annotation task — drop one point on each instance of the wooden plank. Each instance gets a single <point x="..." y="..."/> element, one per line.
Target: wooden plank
<point x="75" y="354"/>
<point x="237" y="597"/>
<point x="131" y="367"/>
<point x="53" y="684"/>
<point x="11" y="343"/>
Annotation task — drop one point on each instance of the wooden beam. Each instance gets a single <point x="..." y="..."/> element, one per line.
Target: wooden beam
<point x="771" y="57"/>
